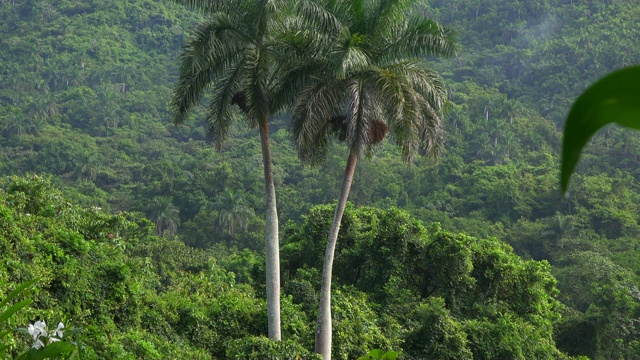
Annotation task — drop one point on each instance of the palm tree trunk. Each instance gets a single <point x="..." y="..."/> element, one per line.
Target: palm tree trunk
<point x="324" y="327"/>
<point x="272" y="240"/>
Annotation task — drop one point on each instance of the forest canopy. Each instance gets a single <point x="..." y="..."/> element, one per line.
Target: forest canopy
<point x="84" y="103"/>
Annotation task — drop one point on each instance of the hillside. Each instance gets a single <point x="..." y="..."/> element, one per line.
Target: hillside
<point x="84" y="88"/>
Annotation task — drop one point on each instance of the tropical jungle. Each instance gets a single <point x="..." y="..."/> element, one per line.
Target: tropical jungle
<point x="315" y="179"/>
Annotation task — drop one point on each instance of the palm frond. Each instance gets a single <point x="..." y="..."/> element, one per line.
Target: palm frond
<point x="431" y="133"/>
<point x="357" y="16"/>
<point x="414" y="97"/>
<point x="390" y="88"/>
<point x="321" y="17"/>
<point x="210" y="6"/>
<point x="353" y="58"/>
<point x="385" y="14"/>
<point x="260" y="14"/>
<point x="188" y="92"/>
<point x="214" y="47"/>
<point x="425" y="81"/>
<point x="293" y="37"/>
<point x="216" y="41"/>
<point x="220" y="114"/>
<point x="312" y="113"/>
<point x="363" y="112"/>
<point x="257" y="68"/>
<point x="417" y="37"/>
<point x="404" y="128"/>
<point x="422" y="130"/>
<point x="288" y="83"/>
<point x="298" y="52"/>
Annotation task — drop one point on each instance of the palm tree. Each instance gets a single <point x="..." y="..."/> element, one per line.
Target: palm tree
<point x="87" y="166"/>
<point x="14" y="123"/>
<point x="233" y="213"/>
<point x="165" y="215"/>
<point x="374" y="81"/>
<point x="232" y="54"/>
<point x="108" y="97"/>
<point x="43" y="107"/>
<point x="558" y="227"/>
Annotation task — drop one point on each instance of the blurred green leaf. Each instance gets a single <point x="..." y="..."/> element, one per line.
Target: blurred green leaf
<point x="612" y="99"/>
<point x="17" y="291"/>
<point x="13" y="309"/>
<point x="380" y="355"/>
<point x="49" y="351"/>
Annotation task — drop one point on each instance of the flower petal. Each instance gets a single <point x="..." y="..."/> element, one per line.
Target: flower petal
<point x="32" y="331"/>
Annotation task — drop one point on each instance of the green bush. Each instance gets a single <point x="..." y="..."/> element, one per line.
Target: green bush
<point x="260" y="347"/>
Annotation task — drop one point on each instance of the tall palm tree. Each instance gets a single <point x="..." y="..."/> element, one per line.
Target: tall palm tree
<point x="374" y="81"/>
<point x="233" y="54"/>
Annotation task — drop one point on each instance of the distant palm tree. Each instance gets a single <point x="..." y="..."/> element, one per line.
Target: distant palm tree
<point x="87" y="166"/>
<point x="16" y="123"/>
<point x="233" y="213"/>
<point x="165" y="215"/>
<point x="374" y="81"/>
<point x="108" y="97"/>
<point x="43" y="107"/>
<point x="558" y="227"/>
<point x="233" y="54"/>
<point x="13" y="123"/>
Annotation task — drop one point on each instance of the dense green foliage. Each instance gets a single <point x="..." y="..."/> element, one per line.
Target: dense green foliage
<point x="84" y="88"/>
<point x="436" y="295"/>
<point x="401" y="286"/>
<point x="135" y="294"/>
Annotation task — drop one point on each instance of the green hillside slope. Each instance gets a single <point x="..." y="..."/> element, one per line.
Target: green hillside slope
<point x="84" y="91"/>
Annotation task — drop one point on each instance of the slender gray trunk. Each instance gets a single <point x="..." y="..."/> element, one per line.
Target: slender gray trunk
<point x="272" y="239"/>
<point x="324" y="327"/>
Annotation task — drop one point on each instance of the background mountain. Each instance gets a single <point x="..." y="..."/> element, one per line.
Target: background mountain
<point x="84" y="90"/>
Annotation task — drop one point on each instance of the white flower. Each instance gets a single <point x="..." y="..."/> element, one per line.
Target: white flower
<point x="38" y="344"/>
<point x="33" y="332"/>
<point x="38" y="329"/>
<point x="57" y="332"/>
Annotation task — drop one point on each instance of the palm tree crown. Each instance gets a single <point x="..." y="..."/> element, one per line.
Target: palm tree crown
<point x="233" y="55"/>
<point x="165" y="215"/>
<point x="374" y="79"/>
<point x="224" y="55"/>
<point x="234" y="215"/>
